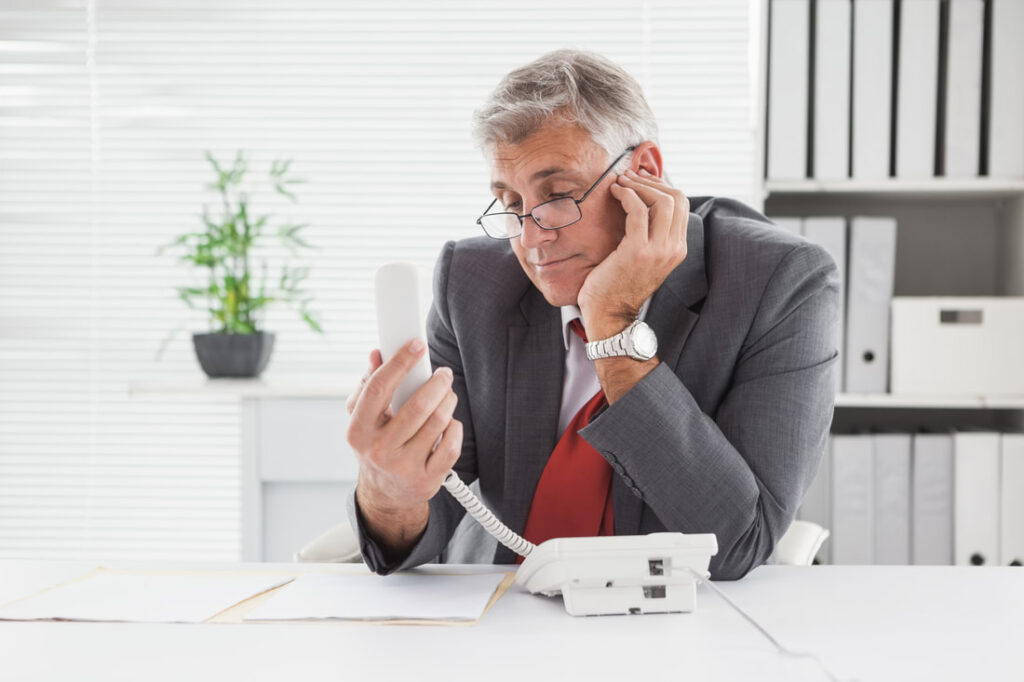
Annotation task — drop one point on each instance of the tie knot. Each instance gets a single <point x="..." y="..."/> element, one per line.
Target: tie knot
<point x="577" y="329"/>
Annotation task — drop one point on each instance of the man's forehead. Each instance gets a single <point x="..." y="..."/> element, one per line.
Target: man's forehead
<point x="511" y="165"/>
<point x="556" y="171"/>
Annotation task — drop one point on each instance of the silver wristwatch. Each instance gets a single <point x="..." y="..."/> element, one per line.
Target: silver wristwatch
<point x="636" y="341"/>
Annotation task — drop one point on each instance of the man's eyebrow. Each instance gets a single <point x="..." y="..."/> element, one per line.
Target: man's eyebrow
<point x="542" y="174"/>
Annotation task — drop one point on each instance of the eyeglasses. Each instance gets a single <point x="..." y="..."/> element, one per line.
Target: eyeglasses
<point x="549" y="215"/>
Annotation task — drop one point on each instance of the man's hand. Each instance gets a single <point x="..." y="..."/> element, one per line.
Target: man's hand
<point x="653" y="246"/>
<point x="399" y="468"/>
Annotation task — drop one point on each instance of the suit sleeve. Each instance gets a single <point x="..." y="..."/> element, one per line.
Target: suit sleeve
<point x="445" y="512"/>
<point x="742" y="473"/>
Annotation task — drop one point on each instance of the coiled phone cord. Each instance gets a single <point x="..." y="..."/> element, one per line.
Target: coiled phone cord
<point x="484" y="517"/>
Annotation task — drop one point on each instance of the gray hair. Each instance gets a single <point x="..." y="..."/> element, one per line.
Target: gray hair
<point x="575" y="87"/>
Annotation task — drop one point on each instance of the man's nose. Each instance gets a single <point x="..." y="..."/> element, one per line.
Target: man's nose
<point x="533" y="235"/>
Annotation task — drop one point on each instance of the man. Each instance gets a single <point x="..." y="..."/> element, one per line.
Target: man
<point x="578" y="429"/>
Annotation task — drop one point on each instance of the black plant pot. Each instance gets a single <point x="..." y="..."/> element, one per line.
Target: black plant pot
<point x="233" y="355"/>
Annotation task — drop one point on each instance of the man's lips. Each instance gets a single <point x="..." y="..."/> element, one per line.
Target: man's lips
<point x="551" y="262"/>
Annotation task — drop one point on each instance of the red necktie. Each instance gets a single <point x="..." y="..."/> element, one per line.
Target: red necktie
<point x="573" y="497"/>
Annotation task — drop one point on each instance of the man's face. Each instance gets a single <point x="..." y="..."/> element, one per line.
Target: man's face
<point x="550" y="163"/>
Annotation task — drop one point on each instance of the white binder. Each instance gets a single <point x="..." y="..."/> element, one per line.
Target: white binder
<point x="817" y="503"/>
<point x="976" y="498"/>
<point x="1006" y="105"/>
<point x="932" y="517"/>
<point x="791" y="225"/>
<point x="1012" y="545"/>
<point x="831" y="234"/>
<point x="963" y="88"/>
<point x="832" y="90"/>
<point x="872" y="88"/>
<point x="892" y="498"/>
<point x="870" y="287"/>
<point x="789" y="43"/>
<point x="917" y="89"/>
<point x="853" y="506"/>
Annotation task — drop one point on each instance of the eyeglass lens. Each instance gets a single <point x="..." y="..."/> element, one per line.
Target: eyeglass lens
<point x="550" y="215"/>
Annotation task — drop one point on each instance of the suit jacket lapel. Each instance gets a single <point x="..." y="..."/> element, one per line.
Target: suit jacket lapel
<point x="673" y="314"/>
<point x="675" y="307"/>
<point x="536" y="366"/>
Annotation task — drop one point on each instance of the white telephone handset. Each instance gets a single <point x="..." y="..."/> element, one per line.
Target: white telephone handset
<point x="400" y="306"/>
<point x="656" y="573"/>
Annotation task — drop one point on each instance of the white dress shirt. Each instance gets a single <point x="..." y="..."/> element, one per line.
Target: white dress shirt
<point x="580" y="379"/>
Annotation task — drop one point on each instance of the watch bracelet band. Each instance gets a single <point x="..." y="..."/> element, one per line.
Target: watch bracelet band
<point x="611" y="347"/>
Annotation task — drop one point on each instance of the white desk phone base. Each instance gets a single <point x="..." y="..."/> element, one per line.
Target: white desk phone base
<point x="627" y="574"/>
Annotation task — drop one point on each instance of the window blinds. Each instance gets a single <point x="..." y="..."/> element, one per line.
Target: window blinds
<point x="106" y="108"/>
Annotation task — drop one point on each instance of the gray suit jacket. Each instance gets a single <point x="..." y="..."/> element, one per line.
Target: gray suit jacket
<point x="723" y="437"/>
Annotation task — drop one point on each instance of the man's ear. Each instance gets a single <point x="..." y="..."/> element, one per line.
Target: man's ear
<point x="647" y="156"/>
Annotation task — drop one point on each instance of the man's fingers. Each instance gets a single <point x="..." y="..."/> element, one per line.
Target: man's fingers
<point x="377" y="392"/>
<point x="411" y="417"/>
<point x="375" y="396"/>
<point x="434" y="426"/>
<point x="375" y="362"/>
<point x="643" y="177"/>
<point x="679" y="223"/>
<point x="637" y="215"/>
<point x="660" y="201"/>
<point x="648" y="186"/>
<point x="447" y="451"/>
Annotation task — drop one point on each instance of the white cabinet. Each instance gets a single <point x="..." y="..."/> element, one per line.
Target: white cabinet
<point x="296" y="466"/>
<point x="297" y="470"/>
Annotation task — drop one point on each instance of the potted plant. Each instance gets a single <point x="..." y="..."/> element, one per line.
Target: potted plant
<point x="236" y="345"/>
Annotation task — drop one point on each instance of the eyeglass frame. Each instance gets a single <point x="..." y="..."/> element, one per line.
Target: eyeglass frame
<point x="522" y="218"/>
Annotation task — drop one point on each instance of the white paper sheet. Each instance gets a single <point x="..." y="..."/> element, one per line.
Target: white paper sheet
<point x="373" y="597"/>
<point x="138" y="598"/>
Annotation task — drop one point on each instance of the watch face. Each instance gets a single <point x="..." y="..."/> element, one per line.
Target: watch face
<point x="645" y="343"/>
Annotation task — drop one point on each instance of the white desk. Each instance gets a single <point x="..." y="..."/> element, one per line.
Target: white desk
<point x="866" y="623"/>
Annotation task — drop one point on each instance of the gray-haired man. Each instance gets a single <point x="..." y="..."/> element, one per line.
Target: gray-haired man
<point x="697" y="393"/>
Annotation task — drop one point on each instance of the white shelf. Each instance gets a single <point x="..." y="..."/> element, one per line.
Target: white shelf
<point x="974" y="188"/>
<point x="888" y="400"/>
<point x="264" y="387"/>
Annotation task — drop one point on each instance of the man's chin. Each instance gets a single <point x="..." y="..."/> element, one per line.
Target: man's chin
<point x="558" y="290"/>
<point x="559" y="296"/>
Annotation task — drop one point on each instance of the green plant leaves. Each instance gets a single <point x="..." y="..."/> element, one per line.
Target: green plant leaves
<point x="187" y="294"/>
<point x="228" y="178"/>
<point x="289" y="235"/>
<point x="278" y="169"/>
<point x="223" y="250"/>
<point x="312" y="323"/>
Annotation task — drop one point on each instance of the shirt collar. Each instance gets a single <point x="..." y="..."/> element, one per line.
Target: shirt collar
<point x="572" y="312"/>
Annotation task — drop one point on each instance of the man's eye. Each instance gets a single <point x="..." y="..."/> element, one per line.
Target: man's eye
<point x="514" y="206"/>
